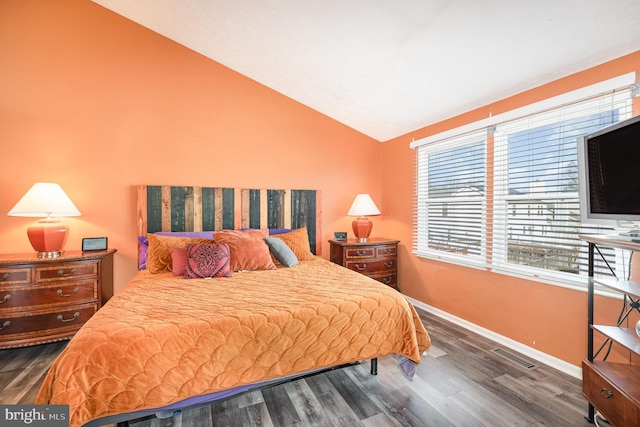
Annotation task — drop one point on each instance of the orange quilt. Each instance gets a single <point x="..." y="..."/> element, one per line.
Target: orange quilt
<point x="163" y="339"/>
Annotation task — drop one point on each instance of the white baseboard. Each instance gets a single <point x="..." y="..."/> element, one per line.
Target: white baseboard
<point x="554" y="362"/>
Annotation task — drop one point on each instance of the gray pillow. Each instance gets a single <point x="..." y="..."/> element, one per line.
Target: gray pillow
<point x="281" y="251"/>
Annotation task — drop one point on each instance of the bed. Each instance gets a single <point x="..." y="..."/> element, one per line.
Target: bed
<point x="165" y="341"/>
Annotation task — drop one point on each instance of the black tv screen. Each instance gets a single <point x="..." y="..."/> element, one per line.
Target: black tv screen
<point x="612" y="163"/>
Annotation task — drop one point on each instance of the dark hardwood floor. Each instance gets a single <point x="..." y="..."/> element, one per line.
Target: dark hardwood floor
<point x="461" y="382"/>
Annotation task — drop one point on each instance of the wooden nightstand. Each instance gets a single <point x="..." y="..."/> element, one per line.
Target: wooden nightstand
<point x="376" y="258"/>
<point x="48" y="299"/>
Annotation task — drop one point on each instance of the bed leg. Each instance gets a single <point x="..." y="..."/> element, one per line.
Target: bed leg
<point x="374" y="366"/>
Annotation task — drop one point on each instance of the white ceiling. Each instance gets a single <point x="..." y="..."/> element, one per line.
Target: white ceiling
<point x="386" y="68"/>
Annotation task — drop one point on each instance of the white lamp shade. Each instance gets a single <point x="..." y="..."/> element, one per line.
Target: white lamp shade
<point x="44" y="199"/>
<point x="363" y="206"/>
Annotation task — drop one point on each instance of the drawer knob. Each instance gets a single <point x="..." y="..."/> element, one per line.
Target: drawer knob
<point x="361" y="252"/>
<point x="5" y="276"/>
<point x="6" y="324"/>
<point x="360" y="267"/>
<point x="75" y="316"/>
<point x="607" y="394"/>
<point x="6" y="298"/>
<point x="62" y="294"/>
<point x="388" y="251"/>
<point x="71" y="272"/>
<point x="388" y="264"/>
<point x="386" y="280"/>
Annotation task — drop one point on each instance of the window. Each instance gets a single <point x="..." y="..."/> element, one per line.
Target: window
<point x="453" y="205"/>
<point x="505" y="197"/>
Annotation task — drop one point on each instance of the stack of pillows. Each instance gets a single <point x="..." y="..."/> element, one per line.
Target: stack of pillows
<point x="219" y="253"/>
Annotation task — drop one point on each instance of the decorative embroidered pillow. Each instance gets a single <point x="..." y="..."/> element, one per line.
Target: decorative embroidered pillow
<point x="247" y="249"/>
<point x="298" y="241"/>
<point x="159" y="255"/>
<point x="207" y="260"/>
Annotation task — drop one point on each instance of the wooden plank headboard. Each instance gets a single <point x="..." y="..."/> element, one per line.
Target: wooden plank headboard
<point x="180" y="208"/>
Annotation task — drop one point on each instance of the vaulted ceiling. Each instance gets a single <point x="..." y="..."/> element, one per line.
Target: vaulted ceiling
<point x="386" y="68"/>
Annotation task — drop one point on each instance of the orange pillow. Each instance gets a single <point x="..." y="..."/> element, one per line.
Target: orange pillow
<point x="298" y="241"/>
<point x="247" y="248"/>
<point x="159" y="255"/>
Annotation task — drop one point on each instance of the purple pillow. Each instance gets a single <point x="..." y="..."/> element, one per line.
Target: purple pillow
<point x="273" y="231"/>
<point x="197" y="234"/>
<point x="207" y="260"/>
<point x="143" y="249"/>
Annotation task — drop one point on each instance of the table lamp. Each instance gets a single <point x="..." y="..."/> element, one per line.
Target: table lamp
<point x="46" y="200"/>
<point x="362" y="207"/>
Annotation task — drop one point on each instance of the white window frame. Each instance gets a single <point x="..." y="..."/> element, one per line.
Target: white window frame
<point x="422" y="201"/>
<point x="494" y="258"/>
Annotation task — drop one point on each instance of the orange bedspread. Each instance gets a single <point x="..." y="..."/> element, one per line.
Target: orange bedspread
<point x="163" y="339"/>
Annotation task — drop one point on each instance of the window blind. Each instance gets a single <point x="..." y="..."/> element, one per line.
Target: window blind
<point x="506" y="196"/>
<point x="451" y="202"/>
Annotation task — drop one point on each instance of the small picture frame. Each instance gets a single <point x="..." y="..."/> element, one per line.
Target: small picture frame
<point x="339" y="235"/>
<point x="94" y="244"/>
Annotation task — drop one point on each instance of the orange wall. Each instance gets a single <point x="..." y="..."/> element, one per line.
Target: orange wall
<point x="548" y="318"/>
<point x="99" y="104"/>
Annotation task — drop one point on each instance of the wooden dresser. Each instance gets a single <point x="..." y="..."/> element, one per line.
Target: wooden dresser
<point x="48" y="299"/>
<point x="376" y="258"/>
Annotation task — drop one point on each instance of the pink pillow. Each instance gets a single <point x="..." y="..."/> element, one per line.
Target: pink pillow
<point x="179" y="260"/>
<point x="207" y="260"/>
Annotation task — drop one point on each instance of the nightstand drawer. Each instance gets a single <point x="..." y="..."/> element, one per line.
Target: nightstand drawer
<point x="66" y="271"/>
<point x="386" y="251"/>
<point x="69" y="318"/>
<point x="614" y="405"/>
<point x="387" y="279"/>
<point x="364" y="252"/>
<point x="75" y="292"/>
<point x="372" y="266"/>
<point x="15" y="276"/>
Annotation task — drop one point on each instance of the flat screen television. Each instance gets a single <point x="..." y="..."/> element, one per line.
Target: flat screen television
<point x="609" y="175"/>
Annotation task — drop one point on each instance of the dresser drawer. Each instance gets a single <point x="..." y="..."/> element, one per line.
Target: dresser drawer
<point x="372" y="266"/>
<point x="376" y="258"/>
<point x="614" y="405"/>
<point x="387" y="279"/>
<point x="49" y="299"/>
<point x="74" y="292"/>
<point x="386" y="251"/>
<point x="360" y="252"/>
<point x="371" y="251"/>
<point x="43" y="323"/>
<point x="15" y="276"/>
<point x="66" y="271"/>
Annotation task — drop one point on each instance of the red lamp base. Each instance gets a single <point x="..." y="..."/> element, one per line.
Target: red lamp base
<point x="48" y="237"/>
<point x="362" y="228"/>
